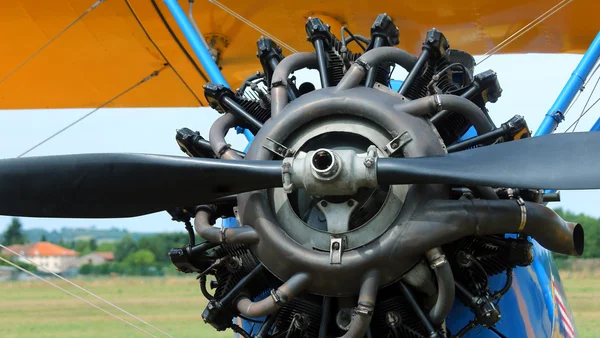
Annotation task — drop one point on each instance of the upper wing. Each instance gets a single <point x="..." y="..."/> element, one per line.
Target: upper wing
<point x="108" y="51"/>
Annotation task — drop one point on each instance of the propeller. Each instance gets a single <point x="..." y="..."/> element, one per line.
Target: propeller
<point x="123" y="185"/>
<point x="558" y="161"/>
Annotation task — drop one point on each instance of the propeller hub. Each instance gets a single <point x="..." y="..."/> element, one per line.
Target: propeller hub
<point x="332" y="219"/>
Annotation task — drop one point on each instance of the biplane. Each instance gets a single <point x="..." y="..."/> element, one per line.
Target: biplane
<point x="363" y="206"/>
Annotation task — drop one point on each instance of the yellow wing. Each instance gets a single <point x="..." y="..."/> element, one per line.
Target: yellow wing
<point x="108" y="51"/>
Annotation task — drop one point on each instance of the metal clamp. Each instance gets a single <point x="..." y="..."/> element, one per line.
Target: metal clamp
<point x="397" y="143"/>
<point x="438" y="102"/>
<point x="276" y="298"/>
<point x="286" y="172"/>
<point x="363" y="64"/>
<point x="223" y="237"/>
<point x="364" y="310"/>
<point x="523" y="213"/>
<point x="437" y="262"/>
<point x="371" y="157"/>
<point x="335" y="250"/>
<point x="277" y="148"/>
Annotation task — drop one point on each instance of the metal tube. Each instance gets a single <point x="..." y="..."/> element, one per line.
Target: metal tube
<point x="216" y="136"/>
<point x="324" y="317"/>
<point x="467" y="95"/>
<point x="415" y="72"/>
<point x="205" y="145"/>
<point x="417" y="309"/>
<point x="361" y="317"/>
<point x="191" y="17"/>
<point x="266" y="326"/>
<point x="556" y="113"/>
<point x="378" y="42"/>
<point x="473" y="141"/>
<point x="273" y="62"/>
<point x="445" y="281"/>
<point x="352" y="77"/>
<point x="372" y="58"/>
<point x="242" y="114"/>
<point x="196" y="43"/>
<point x="279" y="95"/>
<point x="283" y="294"/>
<point x="322" y="59"/>
<point x="240" y="235"/>
<point x="463" y="218"/>
<point x="429" y="104"/>
<point x="241" y="284"/>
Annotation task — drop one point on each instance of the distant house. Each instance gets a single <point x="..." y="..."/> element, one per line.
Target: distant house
<point x="97" y="258"/>
<point x="51" y="257"/>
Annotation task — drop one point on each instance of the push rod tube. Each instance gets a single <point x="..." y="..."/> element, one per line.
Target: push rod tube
<point x="322" y="60"/>
<point x="415" y="72"/>
<point x="378" y="42"/>
<point x="279" y="96"/>
<point x="242" y="114"/>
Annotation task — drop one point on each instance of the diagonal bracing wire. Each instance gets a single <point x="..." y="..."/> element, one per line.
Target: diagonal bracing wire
<point x="147" y="78"/>
<point x="137" y="19"/>
<point x="525" y="29"/>
<point x="74" y="295"/>
<point x="587" y="101"/>
<point x="583" y="114"/>
<point x="249" y="23"/>
<point x="26" y="61"/>
<point x="83" y="289"/>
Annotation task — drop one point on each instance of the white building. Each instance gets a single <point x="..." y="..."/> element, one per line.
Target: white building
<point x="49" y="256"/>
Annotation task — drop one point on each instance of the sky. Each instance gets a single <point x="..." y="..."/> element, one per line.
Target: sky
<point x="530" y="85"/>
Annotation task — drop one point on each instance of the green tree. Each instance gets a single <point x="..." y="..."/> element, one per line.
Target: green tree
<point x="83" y="247"/>
<point x="106" y="246"/>
<point x="141" y="257"/>
<point x="93" y="245"/>
<point x="160" y="245"/>
<point x="43" y="238"/>
<point x="14" y="233"/>
<point x="125" y="247"/>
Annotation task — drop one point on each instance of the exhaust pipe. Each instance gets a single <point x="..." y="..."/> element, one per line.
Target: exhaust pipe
<point x="282" y="295"/>
<point x="237" y="235"/>
<point x="443" y="221"/>
<point x="363" y="312"/>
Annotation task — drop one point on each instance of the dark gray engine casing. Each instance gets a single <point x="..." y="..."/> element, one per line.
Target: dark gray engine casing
<point x="392" y="254"/>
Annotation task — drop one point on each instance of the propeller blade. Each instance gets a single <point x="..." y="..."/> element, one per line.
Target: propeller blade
<point x="558" y="161"/>
<point x="123" y="185"/>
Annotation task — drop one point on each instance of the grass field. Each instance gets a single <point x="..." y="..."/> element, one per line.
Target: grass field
<point x="35" y="309"/>
<point x="584" y="298"/>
